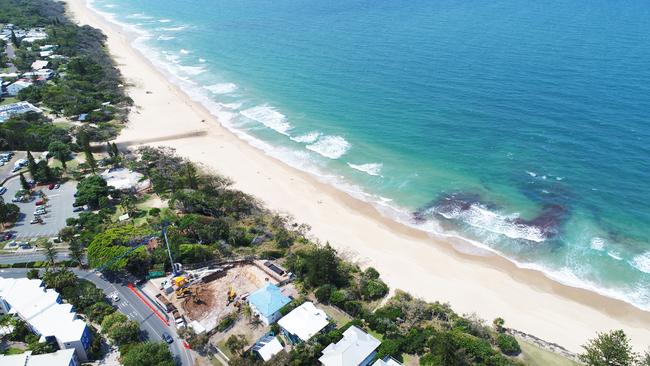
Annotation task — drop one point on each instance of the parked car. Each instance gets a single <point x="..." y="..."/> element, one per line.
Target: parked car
<point x="3" y="190"/>
<point x="25" y="246"/>
<point x="36" y="220"/>
<point x="57" y="186"/>
<point x="115" y="298"/>
<point x="40" y="202"/>
<point x="51" y="186"/>
<point x="76" y="204"/>
<point x="7" y="236"/>
<point x="77" y="209"/>
<point x="167" y="337"/>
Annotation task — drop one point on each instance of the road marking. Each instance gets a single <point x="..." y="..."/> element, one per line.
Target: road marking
<point x="137" y="293"/>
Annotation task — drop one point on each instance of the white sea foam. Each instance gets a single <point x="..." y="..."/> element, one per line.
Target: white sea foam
<point x="373" y="169"/>
<point x="164" y="20"/>
<point x="232" y="106"/>
<point x="174" y="29"/>
<point x="222" y="88"/>
<point x="192" y="70"/>
<point x="202" y="60"/>
<point x="307" y="138"/>
<point x="165" y="38"/>
<point x="483" y="218"/>
<point x="642" y="262"/>
<point x="532" y="174"/>
<point x="332" y="147"/>
<point x="110" y="5"/>
<point x="139" y="16"/>
<point x="615" y="255"/>
<point x="559" y="178"/>
<point x="269" y="117"/>
<point x="184" y="51"/>
<point x="597" y="244"/>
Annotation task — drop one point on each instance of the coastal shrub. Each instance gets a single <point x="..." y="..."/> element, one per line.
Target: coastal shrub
<point x="194" y="253"/>
<point x="508" y="344"/>
<point x="371" y="273"/>
<point x="227" y="322"/>
<point x="324" y="293"/>
<point x="416" y="340"/>
<point x="338" y="297"/>
<point x="390" y="347"/>
<point x="154" y="212"/>
<point x="373" y="289"/>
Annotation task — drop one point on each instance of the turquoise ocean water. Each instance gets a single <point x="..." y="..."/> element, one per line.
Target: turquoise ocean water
<point x="521" y="126"/>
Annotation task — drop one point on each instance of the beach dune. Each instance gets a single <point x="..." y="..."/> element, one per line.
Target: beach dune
<point x="407" y="259"/>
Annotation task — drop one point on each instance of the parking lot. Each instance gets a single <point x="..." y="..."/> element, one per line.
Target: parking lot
<point x="59" y="208"/>
<point x="5" y="170"/>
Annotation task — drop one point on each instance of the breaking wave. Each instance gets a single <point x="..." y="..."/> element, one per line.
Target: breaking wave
<point x="307" y="138"/>
<point x="222" y="88"/>
<point x="332" y="147"/>
<point x="269" y="117"/>
<point x="373" y="169"/>
<point x="642" y="262"/>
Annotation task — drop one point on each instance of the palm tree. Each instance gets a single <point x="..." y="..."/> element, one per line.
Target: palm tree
<point x="50" y="254"/>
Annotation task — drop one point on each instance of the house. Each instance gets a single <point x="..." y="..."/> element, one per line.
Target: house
<point x="65" y="357"/>
<point x="35" y="34"/>
<point x="16" y="108"/>
<point x="47" y="47"/>
<point x="39" y="64"/>
<point x="356" y="348"/>
<point x="267" y="347"/>
<point x="17" y="86"/>
<point x="266" y="303"/>
<point x="303" y="322"/>
<point x="46" y="53"/>
<point x="45" y="314"/>
<point x="125" y="180"/>
<point x="82" y="117"/>
<point x="387" y="361"/>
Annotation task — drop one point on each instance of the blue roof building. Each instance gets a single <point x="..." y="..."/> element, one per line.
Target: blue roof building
<point x="266" y="303"/>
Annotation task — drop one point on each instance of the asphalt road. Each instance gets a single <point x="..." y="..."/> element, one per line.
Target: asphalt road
<point x="130" y="305"/>
<point x="59" y="208"/>
<point x="30" y="256"/>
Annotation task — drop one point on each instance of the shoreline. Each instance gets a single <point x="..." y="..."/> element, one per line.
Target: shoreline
<point x="407" y="258"/>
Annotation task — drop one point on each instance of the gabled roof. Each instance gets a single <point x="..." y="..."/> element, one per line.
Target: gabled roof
<point x="355" y="346"/>
<point x="267" y="347"/>
<point x="59" y="358"/>
<point x="268" y="300"/>
<point x="387" y="361"/>
<point x="304" y="321"/>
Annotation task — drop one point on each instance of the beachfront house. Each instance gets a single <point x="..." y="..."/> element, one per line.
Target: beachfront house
<point x="387" y="361"/>
<point x="46" y="315"/>
<point x="266" y="303"/>
<point x="8" y="110"/>
<point x="39" y="64"/>
<point x="356" y="348"/>
<point x="126" y="180"/>
<point x="64" y="357"/>
<point x="303" y="322"/>
<point x="267" y="347"/>
<point x="17" y="86"/>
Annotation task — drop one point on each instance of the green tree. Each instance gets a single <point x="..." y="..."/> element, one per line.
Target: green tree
<point x="76" y="251"/>
<point x="50" y="253"/>
<point x="23" y="182"/>
<point x="8" y="213"/>
<point x="60" y="151"/>
<point x="90" y="190"/>
<point x="14" y="39"/>
<point x="85" y="145"/>
<point x="499" y="324"/>
<point x="98" y="311"/>
<point x="31" y="165"/>
<point x="60" y="279"/>
<point x="148" y="354"/>
<point x="508" y="344"/>
<point x="609" y="349"/>
<point x="32" y="274"/>
<point x="236" y="343"/>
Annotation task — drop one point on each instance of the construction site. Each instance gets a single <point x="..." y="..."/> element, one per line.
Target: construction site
<point x="201" y="298"/>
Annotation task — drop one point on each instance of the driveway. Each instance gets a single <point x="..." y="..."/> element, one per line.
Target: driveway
<point x="59" y="208"/>
<point x="131" y="306"/>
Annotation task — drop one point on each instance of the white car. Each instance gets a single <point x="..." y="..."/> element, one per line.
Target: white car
<point x="115" y="298"/>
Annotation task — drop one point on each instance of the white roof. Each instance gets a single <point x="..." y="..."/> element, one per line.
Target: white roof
<point x="304" y="321"/>
<point x="268" y="348"/>
<point x="45" y="53"/>
<point x="39" y="307"/>
<point x="355" y="347"/>
<point x="39" y="64"/>
<point x="124" y="179"/>
<point x="387" y="361"/>
<point x="58" y="358"/>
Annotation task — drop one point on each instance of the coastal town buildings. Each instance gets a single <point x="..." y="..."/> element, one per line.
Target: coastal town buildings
<point x="45" y="313"/>
<point x="266" y="303"/>
<point x="267" y="347"/>
<point x="14" y="88"/>
<point x="64" y="357"/>
<point x="303" y="322"/>
<point x="8" y="110"/>
<point x="356" y="348"/>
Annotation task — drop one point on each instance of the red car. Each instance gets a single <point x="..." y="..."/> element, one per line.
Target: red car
<point x="51" y="186"/>
<point x="40" y="202"/>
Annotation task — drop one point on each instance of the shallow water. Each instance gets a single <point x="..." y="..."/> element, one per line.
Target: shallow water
<point x="521" y="126"/>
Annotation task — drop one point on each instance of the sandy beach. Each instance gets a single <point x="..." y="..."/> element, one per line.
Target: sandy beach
<point x="407" y="259"/>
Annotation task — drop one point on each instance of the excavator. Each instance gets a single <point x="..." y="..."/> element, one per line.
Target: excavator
<point x="231" y="295"/>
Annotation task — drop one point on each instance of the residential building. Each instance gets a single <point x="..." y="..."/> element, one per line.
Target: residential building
<point x="17" y="86"/>
<point x="39" y="64"/>
<point x="387" y="361"/>
<point x="267" y="347"/>
<point x="356" y="348"/>
<point x="45" y="313"/>
<point x="303" y="322"/>
<point x="126" y="180"/>
<point x="64" y="357"/>
<point x="266" y="303"/>
<point x="16" y="108"/>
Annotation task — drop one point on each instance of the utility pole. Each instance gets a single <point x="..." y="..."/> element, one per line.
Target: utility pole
<point x="169" y="251"/>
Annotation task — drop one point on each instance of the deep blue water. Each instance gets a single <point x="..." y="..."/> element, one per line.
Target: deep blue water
<point x="522" y="126"/>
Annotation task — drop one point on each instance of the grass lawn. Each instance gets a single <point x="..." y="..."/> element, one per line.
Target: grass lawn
<point x="8" y="100"/>
<point x="535" y="356"/>
<point x="339" y="317"/>
<point x="224" y="349"/>
<point x="13" y="351"/>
